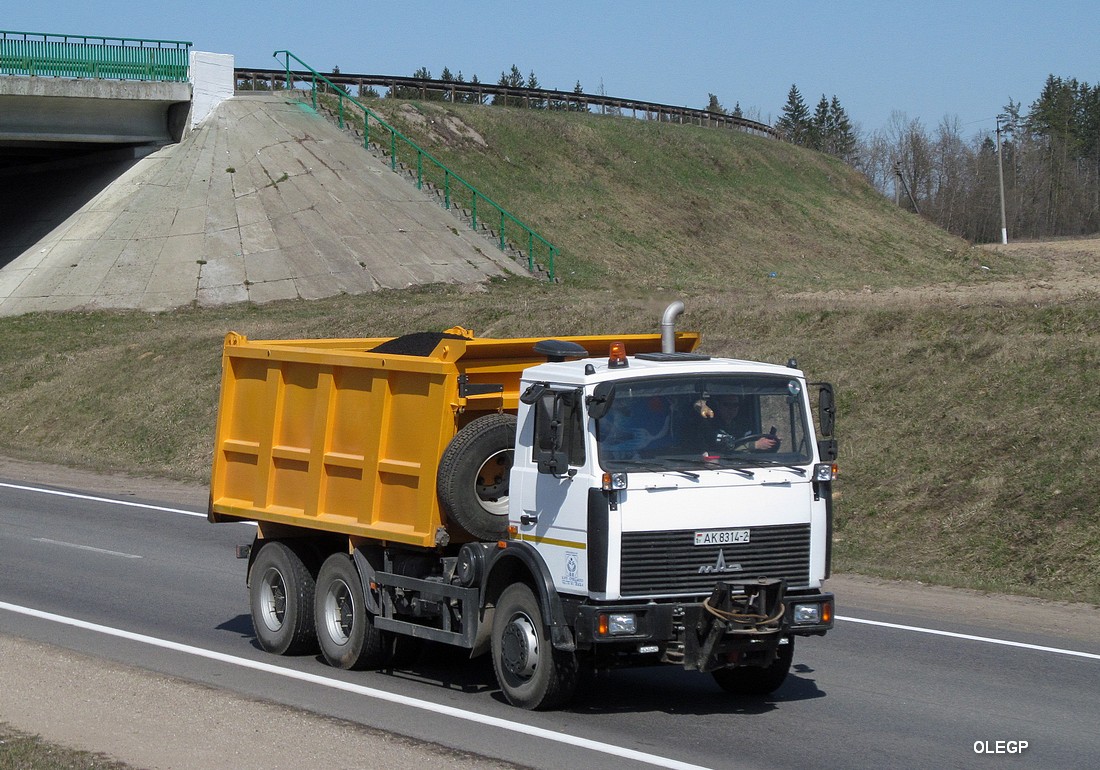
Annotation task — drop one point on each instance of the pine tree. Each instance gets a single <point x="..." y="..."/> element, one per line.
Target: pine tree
<point x="795" y="119"/>
<point x="713" y="105"/>
<point x="842" y="139"/>
<point x="513" y="79"/>
<point x="819" y="130"/>
<point x="577" y="105"/>
<point x="448" y="77"/>
<point x="533" y="84"/>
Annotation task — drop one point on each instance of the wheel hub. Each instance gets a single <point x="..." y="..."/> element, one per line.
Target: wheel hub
<point x="273" y="600"/>
<point x="339" y="612"/>
<point x="520" y="647"/>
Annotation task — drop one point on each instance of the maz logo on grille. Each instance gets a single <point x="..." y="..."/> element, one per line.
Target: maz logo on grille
<point x="721" y="565"/>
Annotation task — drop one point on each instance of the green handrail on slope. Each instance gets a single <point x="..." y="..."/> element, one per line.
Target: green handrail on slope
<point x="433" y="171"/>
<point x="46" y="54"/>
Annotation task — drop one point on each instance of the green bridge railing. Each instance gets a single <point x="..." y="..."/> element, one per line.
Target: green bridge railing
<point x="79" y="56"/>
<point x="454" y="190"/>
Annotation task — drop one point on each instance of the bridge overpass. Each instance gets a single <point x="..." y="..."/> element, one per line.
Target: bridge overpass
<point x="63" y="95"/>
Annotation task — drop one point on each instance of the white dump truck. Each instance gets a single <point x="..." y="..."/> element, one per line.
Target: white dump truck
<point x="599" y="501"/>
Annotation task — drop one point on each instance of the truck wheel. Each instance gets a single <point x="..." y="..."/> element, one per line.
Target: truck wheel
<point x="345" y="629"/>
<point x="473" y="476"/>
<point x="531" y="673"/>
<point x="754" y="680"/>
<point x="281" y="590"/>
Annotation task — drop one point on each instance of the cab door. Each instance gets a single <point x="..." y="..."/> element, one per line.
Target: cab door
<point x="553" y="483"/>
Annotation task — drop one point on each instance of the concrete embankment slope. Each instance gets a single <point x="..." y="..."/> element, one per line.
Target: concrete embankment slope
<point x="264" y="201"/>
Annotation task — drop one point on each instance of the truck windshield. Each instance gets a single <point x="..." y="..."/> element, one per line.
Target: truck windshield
<point x="692" y="423"/>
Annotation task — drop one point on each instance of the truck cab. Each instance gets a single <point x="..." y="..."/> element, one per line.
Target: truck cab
<point x="657" y="516"/>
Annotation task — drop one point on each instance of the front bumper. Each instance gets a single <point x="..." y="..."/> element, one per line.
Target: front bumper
<point x="737" y="625"/>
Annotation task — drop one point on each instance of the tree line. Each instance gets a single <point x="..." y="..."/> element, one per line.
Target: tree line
<point x="513" y="79"/>
<point x="1049" y="160"/>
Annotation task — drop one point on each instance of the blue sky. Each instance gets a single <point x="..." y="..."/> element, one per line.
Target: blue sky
<point x="925" y="58"/>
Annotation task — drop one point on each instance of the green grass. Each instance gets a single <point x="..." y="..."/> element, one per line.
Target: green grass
<point x="966" y="435"/>
<point x="688" y="207"/>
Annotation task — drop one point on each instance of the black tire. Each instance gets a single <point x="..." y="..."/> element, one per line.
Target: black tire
<point x="755" y="681"/>
<point x="530" y="672"/>
<point x="473" y="476"/>
<point x="281" y="590"/>
<point x="345" y="629"/>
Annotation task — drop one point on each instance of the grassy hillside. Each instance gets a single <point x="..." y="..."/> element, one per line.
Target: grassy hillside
<point x="965" y="428"/>
<point x="687" y="207"/>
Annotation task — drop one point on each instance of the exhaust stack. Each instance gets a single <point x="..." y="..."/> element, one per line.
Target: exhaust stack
<point x="668" y="326"/>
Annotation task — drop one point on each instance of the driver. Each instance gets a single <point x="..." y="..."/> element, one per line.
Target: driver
<point x="723" y="413"/>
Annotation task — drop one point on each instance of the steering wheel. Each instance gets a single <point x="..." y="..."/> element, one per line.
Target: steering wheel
<point x="747" y="439"/>
<point x="735" y="441"/>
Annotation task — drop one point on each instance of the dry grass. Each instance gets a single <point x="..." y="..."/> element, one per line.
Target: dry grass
<point x="19" y="751"/>
<point x="966" y="435"/>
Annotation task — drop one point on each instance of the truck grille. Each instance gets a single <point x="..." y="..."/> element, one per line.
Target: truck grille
<point x="669" y="562"/>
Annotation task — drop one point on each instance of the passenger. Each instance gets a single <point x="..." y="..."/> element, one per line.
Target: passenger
<point x="643" y="424"/>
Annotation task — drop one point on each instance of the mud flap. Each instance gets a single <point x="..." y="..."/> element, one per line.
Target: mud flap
<point x="736" y="621"/>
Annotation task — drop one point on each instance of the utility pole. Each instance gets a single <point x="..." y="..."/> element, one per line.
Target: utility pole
<point x="1001" y="181"/>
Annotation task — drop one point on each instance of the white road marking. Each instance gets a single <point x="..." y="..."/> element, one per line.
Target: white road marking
<point x="971" y="637"/>
<point x="94" y="499"/>
<point x="47" y="541"/>
<point x="369" y="692"/>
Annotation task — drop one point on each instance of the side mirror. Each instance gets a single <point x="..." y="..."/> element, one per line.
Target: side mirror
<point x="826" y="408"/>
<point x="550" y="456"/>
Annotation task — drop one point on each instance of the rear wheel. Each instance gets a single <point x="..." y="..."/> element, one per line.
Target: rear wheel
<point x="345" y="629"/>
<point x="531" y="673"/>
<point x="755" y="680"/>
<point x="281" y="590"/>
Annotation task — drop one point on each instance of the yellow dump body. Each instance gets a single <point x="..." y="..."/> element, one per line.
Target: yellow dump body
<point x="334" y="436"/>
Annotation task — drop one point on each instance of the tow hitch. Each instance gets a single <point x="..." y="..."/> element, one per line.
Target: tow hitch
<point x="736" y="624"/>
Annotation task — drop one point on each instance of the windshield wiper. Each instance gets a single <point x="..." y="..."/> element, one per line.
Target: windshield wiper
<point x="654" y="467"/>
<point x="741" y="471"/>
<point x="773" y="464"/>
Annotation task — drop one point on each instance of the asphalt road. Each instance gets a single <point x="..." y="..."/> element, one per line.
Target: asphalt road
<point x="898" y="683"/>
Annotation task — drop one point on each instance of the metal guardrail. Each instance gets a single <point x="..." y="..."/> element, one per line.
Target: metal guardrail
<point x="428" y="170"/>
<point x="529" y="97"/>
<point x="45" y="54"/>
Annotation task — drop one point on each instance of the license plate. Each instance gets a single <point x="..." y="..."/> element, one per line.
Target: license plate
<point x="722" y="537"/>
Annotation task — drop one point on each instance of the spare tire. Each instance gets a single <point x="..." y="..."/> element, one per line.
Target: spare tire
<point x="473" y="476"/>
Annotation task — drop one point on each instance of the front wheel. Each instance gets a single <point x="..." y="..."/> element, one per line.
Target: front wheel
<point x="531" y="673"/>
<point x="755" y="680"/>
<point x="345" y="629"/>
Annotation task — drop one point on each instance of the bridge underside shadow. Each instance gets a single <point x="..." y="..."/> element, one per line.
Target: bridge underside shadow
<point x="41" y="187"/>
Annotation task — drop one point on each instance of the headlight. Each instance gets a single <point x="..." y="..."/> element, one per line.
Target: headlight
<point x="623" y="623"/>
<point x="618" y="624"/>
<point x="807" y="614"/>
<point x="825" y="472"/>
